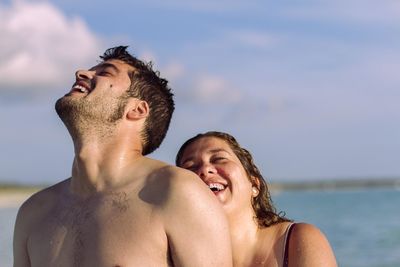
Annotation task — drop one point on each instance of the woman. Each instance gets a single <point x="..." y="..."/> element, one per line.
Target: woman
<point x="260" y="236"/>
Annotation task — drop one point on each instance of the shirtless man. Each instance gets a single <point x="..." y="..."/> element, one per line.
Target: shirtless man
<point x="121" y="208"/>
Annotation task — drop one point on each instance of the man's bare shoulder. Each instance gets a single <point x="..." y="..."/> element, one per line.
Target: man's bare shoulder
<point x="34" y="210"/>
<point x="190" y="213"/>
<point x="183" y="190"/>
<point x="165" y="183"/>
<point x="189" y="184"/>
<point x="41" y="201"/>
<point x="171" y="174"/>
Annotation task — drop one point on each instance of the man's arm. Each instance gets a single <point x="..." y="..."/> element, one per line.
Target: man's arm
<point x="195" y="224"/>
<point x="20" y="251"/>
<point x="309" y="247"/>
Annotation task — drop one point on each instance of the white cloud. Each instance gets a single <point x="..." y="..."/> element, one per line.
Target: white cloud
<point x="41" y="46"/>
<point x="210" y="89"/>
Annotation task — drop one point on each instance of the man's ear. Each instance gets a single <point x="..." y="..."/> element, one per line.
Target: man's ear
<point x="138" y="109"/>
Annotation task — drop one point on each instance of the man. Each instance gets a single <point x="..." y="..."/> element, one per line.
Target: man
<point x="121" y="208"/>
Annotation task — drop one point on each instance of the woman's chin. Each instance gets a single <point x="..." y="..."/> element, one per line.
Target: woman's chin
<point x="221" y="196"/>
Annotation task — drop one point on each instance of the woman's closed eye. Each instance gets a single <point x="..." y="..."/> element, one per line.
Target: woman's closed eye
<point x="191" y="166"/>
<point x="218" y="159"/>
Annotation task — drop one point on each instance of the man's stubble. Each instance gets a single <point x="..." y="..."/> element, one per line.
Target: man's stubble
<point x="82" y="116"/>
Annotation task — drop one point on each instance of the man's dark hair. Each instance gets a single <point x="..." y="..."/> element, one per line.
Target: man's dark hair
<point x="147" y="85"/>
<point x="263" y="207"/>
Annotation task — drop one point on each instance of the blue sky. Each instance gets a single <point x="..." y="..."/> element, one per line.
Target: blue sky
<point x="311" y="88"/>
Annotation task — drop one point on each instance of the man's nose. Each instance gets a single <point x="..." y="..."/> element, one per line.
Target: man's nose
<point x="84" y="74"/>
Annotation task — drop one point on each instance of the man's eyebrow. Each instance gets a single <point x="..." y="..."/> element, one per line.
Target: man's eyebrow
<point x="106" y="65"/>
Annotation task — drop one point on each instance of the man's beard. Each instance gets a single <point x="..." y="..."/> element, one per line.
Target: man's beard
<point x="81" y="115"/>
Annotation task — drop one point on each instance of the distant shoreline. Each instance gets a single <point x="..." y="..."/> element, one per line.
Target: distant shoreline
<point x="336" y="184"/>
<point x="326" y="184"/>
<point x="13" y="195"/>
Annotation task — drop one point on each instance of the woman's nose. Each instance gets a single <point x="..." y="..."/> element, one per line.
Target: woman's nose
<point x="205" y="170"/>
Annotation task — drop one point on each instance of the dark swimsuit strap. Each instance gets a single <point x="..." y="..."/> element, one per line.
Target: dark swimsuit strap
<point x="286" y="244"/>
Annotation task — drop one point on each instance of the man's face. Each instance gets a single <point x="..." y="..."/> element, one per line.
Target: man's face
<point x="98" y="96"/>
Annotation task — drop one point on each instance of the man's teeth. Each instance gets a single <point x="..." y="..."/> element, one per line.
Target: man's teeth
<point x="80" y="88"/>
<point x="216" y="187"/>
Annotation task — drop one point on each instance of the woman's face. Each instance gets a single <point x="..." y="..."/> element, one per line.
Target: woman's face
<point x="213" y="160"/>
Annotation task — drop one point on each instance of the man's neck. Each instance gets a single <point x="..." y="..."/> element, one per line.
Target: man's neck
<point x="101" y="164"/>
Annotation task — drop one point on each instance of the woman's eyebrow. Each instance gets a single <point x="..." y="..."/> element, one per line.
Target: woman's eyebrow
<point x="216" y="150"/>
<point x="212" y="151"/>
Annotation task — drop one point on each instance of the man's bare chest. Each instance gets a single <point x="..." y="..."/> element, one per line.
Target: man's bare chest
<point x="115" y="230"/>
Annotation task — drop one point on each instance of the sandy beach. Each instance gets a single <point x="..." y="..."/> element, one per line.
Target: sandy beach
<point x="11" y="198"/>
<point x="14" y="198"/>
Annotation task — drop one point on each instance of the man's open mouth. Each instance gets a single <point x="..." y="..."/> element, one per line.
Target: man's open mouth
<point x="81" y="87"/>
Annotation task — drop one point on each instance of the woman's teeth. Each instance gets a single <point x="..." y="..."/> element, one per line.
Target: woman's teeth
<point x="216" y="187"/>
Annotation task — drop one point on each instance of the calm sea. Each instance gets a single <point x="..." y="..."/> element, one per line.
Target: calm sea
<point x="363" y="226"/>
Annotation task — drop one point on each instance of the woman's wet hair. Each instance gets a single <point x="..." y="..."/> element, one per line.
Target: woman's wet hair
<point x="263" y="207"/>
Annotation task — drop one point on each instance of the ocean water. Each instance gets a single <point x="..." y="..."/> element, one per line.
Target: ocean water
<point x="7" y="219"/>
<point x="363" y="227"/>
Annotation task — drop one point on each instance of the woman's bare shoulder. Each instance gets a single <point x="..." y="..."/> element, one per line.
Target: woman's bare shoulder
<point x="308" y="246"/>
